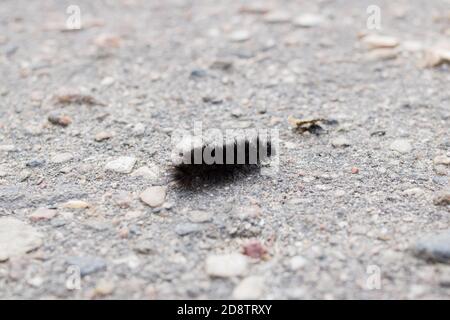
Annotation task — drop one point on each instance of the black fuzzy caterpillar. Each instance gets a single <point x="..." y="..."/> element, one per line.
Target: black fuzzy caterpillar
<point x="233" y="158"/>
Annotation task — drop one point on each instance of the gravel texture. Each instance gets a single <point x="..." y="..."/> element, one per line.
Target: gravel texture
<point x="86" y="118"/>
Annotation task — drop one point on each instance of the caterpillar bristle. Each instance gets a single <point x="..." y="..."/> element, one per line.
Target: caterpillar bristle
<point x="232" y="159"/>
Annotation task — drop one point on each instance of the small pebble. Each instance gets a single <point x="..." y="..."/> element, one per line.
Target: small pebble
<point x="226" y="265"/>
<point x="249" y="212"/>
<point x="124" y="232"/>
<point x="412" y="46"/>
<point x="198" y="216"/>
<point x="17" y="238"/>
<point x="198" y="73"/>
<point x="104" y="288"/>
<point x="212" y="99"/>
<point x="249" y="288"/>
<point x="107" y="81"/>
<point x="131" y="215"/>
<point x="154" y="196"/>
<point x="254" y="249"/>
<point x="123" y="199"/>
<point x="443" y="181"/>
<point x="59" y="119"/>
<point x="355" y="170"/>
<point x="58" y="222"/>
<point x="341" y="142"/>
<point x="434" y="248"/>
<point x="150" y="172"/>
<point x="61" y="158"/>
<point x="297" y="263"/>
<point x="35" y="282"/>
<point x="444" y="160"/>
<point x="435" y="57"/>
<point x="24" y="175"/>
<point x="237" y="112"/>
<point x="240" y="36"/>
<point x="76" y="204"/>
<point x="277" y="17"/>
<point x="138" y="129"/>
<point x="441" y="169"/>
<point x="414" y="192"/>
<point x="187" y="228"/>
<point x="106" y="41"/>
<point x="87" y="264"/>
<point x="103" y="135"/>
<point x="401" y="146"/>
<point x="144" y="247"/>
<point x="378" y="41"/>
<point x="66" y="169"/>
<point x="308" y="20"/>
<point x="7" y="148"/>
<point x="223" y="65"/>
<point x="35" y="163"/>
<point x="121" y="165"/>
<point x="382" y="54"/>
<point x="255" y="8"/>
<point x="42" y="214"/>
<point x="443" y="198"/>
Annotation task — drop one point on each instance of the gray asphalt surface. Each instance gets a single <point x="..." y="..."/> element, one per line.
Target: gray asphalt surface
<point x="340" y="219"/>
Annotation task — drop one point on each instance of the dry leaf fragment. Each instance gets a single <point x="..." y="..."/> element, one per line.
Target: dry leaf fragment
<point x="76" y="98"/>
<point x="299" y="123"/>
<point x="310" y="125"/>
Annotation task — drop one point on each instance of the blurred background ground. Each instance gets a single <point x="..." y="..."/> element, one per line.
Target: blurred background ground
<point x="86" y="118"/>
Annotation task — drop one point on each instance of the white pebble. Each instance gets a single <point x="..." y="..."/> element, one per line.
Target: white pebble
<point x="121" y="165"/>
<point x="401" y="146"/>
<point x="226" y="265"/>
<point x="308" y="20"/>
<point x="150" y="172"/>
<point x="250" y="288"/>
<point x="61" y="157"/>
<point x="154" y="196"/>
<point x="240" y="36"/>
<point x="17" y="238"/>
